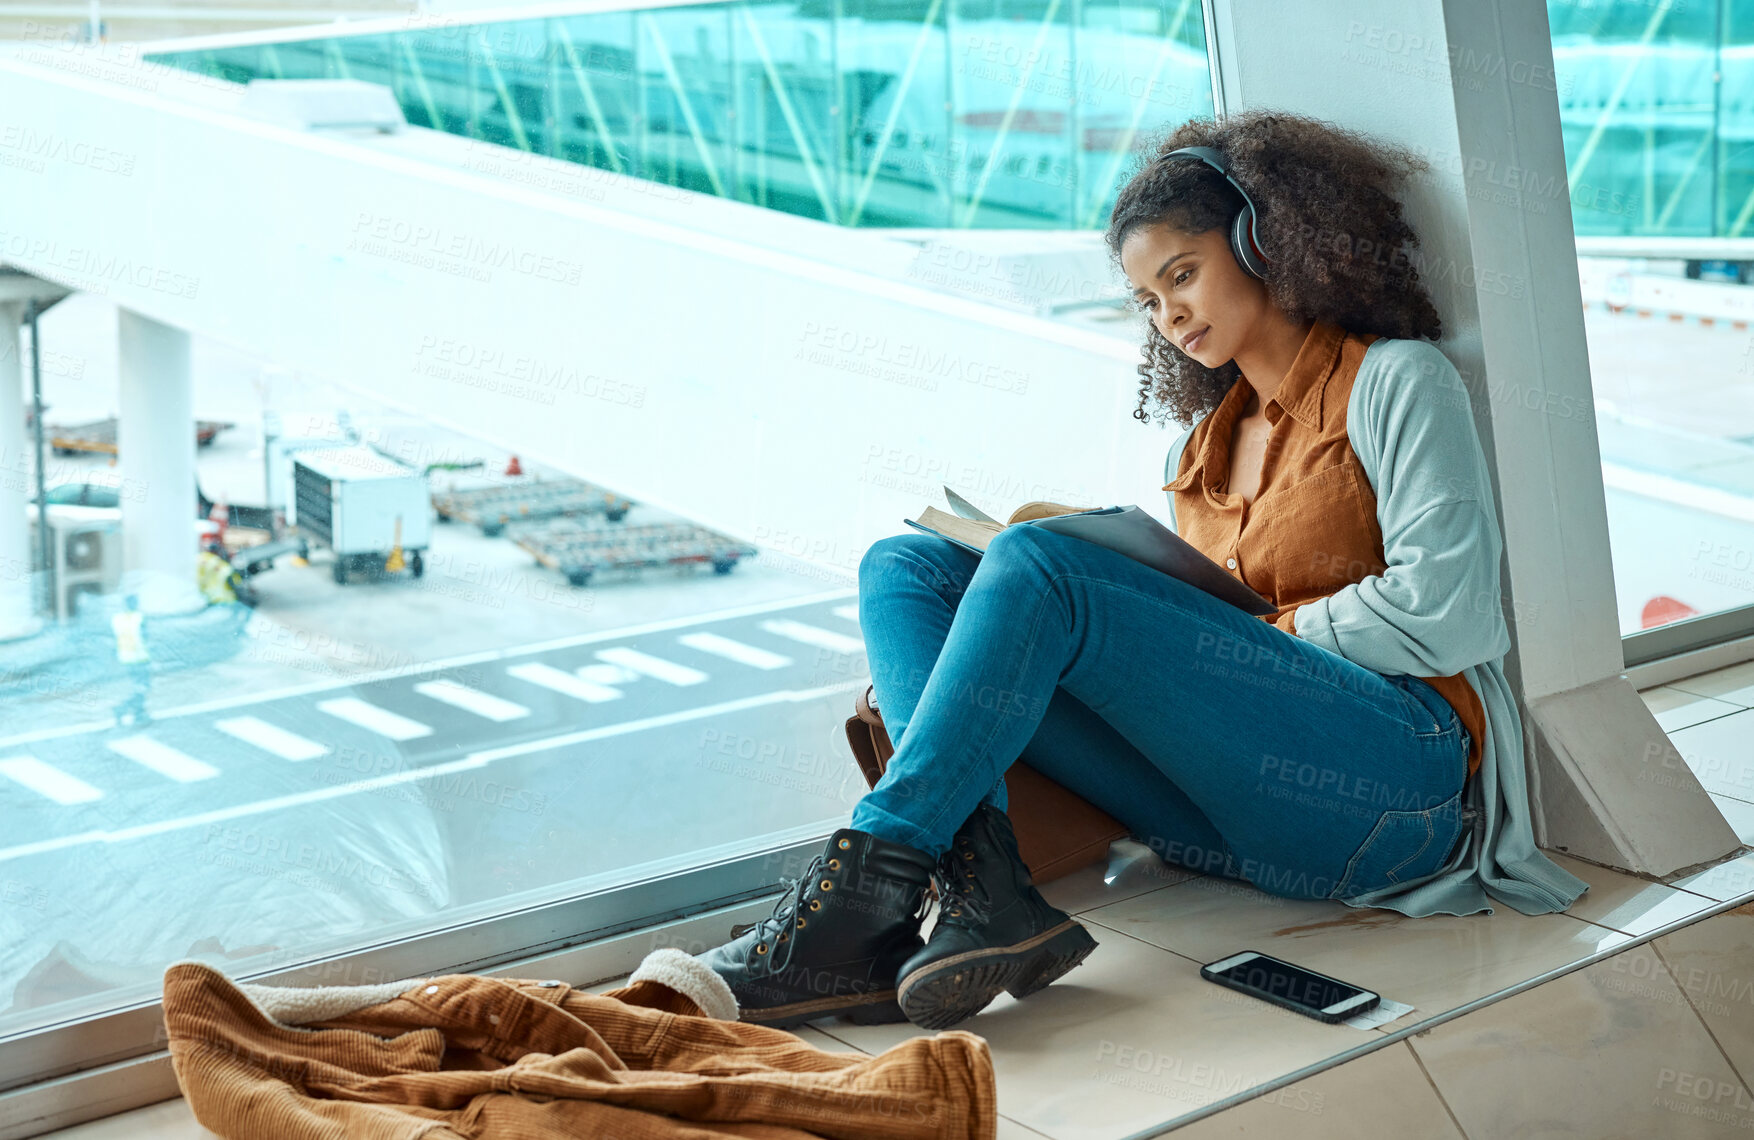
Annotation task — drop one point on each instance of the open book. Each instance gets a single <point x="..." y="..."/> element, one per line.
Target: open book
<point x="1124" y="530"/>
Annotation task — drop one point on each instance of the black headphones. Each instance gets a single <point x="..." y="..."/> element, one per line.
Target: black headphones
<point x="1243" y="243"/>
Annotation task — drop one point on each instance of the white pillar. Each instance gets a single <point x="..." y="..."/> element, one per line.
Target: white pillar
<point x="17" y="480"/>
<point x="156" y="441"/>
<point x="1470" y="85"/>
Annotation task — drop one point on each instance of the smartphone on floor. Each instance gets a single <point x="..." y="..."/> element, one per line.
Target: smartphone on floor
<point x="1297" y="989"/>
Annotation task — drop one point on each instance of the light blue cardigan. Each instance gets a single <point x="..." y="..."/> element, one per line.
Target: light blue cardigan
<point x="1436" y="610"/>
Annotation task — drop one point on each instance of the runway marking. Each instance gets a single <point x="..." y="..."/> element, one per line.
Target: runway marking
<point x="374" y="719"/>
<point x="563" y="682"/>
<point x="735" y="650"/>
<point x="421" y="668"/>
<point x="472" y="700"/>
<point x="652" y="666"/>
<point x="270" y="738"/>
<point x="603" y="673"/>
<point x="474" y="760"/>
<point x="48" y="780"/>
<point x="815" y="635"/>
<point x="163" y="759"/>
<point x="851" y="613"/>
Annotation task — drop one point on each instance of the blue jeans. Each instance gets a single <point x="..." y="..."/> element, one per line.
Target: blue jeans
<point x="1223" y="742"/>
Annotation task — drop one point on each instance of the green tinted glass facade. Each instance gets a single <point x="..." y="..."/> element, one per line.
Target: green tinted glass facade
<point x="1006" y="114"/>
<point x="1656" y="98"/>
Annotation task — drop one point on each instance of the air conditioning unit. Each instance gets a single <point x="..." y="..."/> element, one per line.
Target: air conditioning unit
<point x="86" y="546"/>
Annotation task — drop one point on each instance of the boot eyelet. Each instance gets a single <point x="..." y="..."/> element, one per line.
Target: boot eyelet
<point x="845" y="844"/>
<point x="815" y="904"/>
<point x="800" y="924"/>
<point x="761" y="947"/>
<point x="968" y="854"/>
<point x="826" y="884"/>
<point x="834" y="864"/>
<point x="968" y="875"/>
<point x="955" y="914"/>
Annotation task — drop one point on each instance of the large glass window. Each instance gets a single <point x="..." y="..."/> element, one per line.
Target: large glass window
<point x="1656" y="103"/>
<point x="436" y="682"/>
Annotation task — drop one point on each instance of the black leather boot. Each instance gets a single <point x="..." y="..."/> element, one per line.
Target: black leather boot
<point x="994" y="932"/>
<point x="836" y="938"/>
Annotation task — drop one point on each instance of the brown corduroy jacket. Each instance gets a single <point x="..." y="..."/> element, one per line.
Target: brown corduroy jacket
<point x="471" y="1056"/>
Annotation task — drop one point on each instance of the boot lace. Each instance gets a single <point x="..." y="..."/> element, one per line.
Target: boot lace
<point x="781" y="922"/>
<point x="784" y="916"/>
<point x="960" y="895"/>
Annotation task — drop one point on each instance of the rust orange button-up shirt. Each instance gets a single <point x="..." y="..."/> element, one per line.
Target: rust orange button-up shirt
<point x="1312" y="528"/>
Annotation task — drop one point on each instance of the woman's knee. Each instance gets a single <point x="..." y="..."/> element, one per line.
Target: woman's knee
<point x="913" y="555"/>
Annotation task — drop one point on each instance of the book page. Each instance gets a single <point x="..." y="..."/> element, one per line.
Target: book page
<point x="1041" y="509"/>
<point x="972" y="531"/>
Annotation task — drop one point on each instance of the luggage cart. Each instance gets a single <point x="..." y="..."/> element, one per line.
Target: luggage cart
<point x="100" y="436"/>
<point x="578" y="550"/>
<point x="364" y="506"/>
<point x="492" y="507"/>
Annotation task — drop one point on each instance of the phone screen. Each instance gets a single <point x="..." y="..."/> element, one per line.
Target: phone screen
<point x="1294" y="984"/>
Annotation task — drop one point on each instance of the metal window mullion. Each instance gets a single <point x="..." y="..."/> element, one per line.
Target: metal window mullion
<point x="1123" y="145"/>
<point x="513" y="119"/>
<point x="674" y="79"/>
<point x="980" y="186"/>
<point x="1613" y="104"/>
<point x="589" y="94"/>
<point x="791" y="116"/>
<point x="907" y="77"/>
<point x="333" y="50"/>
<point x="420" y="84"/>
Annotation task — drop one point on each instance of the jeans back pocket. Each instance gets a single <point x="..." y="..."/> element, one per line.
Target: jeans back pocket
<point x="1403" y="845"/>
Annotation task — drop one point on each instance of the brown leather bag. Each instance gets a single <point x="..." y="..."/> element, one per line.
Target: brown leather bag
<point x="1058" y="831"/>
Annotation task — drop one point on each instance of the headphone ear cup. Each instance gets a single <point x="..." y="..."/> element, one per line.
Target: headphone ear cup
<point x="1242" y="243"/>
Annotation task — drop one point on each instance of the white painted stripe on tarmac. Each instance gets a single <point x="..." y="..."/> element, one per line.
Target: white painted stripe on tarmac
<point x="851" y="613"/>
<point x="474" y="760"/>
<point x="563" y="682"/>
<point x="651" y="666"/>
<point x="461" y="696"/>
<point x="735" y="650"/>
<point x="270" y="738"/>
<point x="48" y="780"/>
<point x="163" y="759"/>
<point x="815" y="635"/>
<point x="424" y="667"/>
<point x="374" y="719"/>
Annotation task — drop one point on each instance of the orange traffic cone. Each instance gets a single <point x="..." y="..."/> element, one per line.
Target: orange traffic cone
<point x="1662" y="609"/>
<point x="514" y="468"/>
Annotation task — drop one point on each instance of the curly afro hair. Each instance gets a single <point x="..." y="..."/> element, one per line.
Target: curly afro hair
<point x="1337" y="247"/>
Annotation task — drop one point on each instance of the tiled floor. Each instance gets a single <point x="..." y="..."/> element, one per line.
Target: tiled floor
<point x="1657" y="1040"/>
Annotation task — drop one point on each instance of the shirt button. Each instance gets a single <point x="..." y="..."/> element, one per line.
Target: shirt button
<point x="548" y="985"/>
<point x="432" y="989"/>
<point x="1230" y="562"/>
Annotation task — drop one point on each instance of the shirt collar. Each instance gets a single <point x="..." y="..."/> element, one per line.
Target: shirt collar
<point x="1300" y="393"/>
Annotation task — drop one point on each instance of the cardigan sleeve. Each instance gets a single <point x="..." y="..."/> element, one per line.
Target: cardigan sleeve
<point x="1435" y="609"/>
<point x="1170" y="463"/>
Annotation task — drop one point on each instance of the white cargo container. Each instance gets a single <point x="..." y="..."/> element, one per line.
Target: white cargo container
<point x="351" y="500"/>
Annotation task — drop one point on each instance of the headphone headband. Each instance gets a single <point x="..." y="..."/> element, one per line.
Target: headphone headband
<point x="1244" y="242"/>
